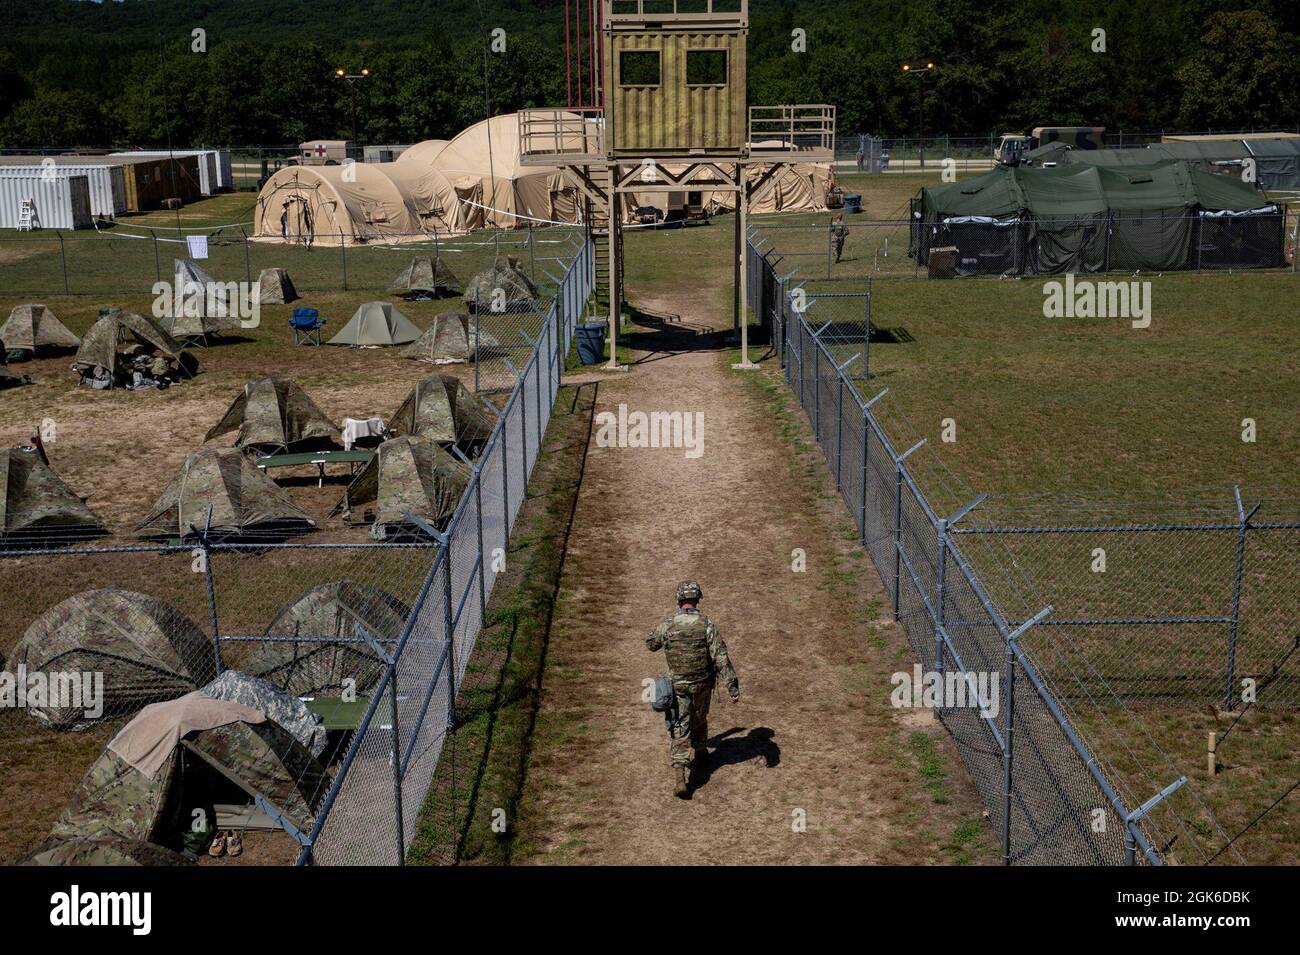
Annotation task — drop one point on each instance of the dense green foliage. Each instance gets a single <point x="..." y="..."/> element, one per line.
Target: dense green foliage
<point x="123" y="73"/>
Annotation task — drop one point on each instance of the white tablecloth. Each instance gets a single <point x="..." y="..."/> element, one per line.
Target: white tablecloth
<point x="354" y="428"/>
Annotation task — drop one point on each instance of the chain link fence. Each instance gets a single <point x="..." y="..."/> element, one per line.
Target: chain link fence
<point x="1106" y="679"/>
<point x="374" y="638"/>
<point x="127" y="260"/>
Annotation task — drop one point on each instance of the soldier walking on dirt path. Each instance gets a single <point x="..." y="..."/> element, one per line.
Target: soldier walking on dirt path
<point x="696" y="658"/>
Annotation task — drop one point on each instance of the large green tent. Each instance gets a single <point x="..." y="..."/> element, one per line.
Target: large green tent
<point x="35" y="504"/>
<point x="1160" y="216"/>
<point x="442" y="408"/>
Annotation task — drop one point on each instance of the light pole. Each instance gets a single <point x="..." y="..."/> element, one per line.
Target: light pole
<point x="919" y="71"/>
<point x="351" y="79"/>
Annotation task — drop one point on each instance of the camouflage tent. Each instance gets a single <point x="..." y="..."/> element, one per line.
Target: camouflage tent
<point x="198" y="293"/>
<point x="35" y="504"/>
<point x="274" y="287"/>
<point x="30" y="327"/>
<point x="241" y="497"/>
<point x="502" y="288"/>
<point x="407" y="476"/>
<point x="261" y="758"/>
<point x="197" y="329"/>
<point x="290" y="712"/>
<point x="275" y="414"/>
<point x="99" y="345"/>
<point x="102" y="847"/>
<point x="145" y="649"/>
<point x="441" y="408"/>
<point x="329" y="620"/>
<point x="376" y="324"/>
<point x="451" y="338"/>
<point x="425" y="275"/>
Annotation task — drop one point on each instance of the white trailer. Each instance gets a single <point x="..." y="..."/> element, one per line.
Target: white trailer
<point x="107" y="183"/>
<point x="54" y="203"/>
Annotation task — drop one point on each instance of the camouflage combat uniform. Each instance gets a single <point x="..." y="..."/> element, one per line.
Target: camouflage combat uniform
<point x="839" y="232"/>
<point x="696" y="657"/>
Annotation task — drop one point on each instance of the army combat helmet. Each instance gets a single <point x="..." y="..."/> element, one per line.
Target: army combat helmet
<point x="689" y="590"/>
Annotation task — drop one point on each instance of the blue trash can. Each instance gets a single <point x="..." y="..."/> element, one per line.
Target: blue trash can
<point x="591" y="342"/>
<point x="853" y="203"/>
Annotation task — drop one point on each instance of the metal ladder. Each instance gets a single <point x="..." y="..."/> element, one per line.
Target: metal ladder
<point x="26" y="215"/>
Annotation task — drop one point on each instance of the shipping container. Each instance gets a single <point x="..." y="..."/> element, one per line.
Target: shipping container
<point x="107" y="183"/>
<point x="57" y="203"/>
<point x="147" y="180"/>
<point x="214" y="166"/>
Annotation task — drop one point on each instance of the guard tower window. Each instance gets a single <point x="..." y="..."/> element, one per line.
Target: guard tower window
<point x="706" y="67"/>
<point x="638" y="68"/>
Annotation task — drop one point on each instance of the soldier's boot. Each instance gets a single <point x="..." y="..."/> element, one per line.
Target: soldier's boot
<point x="680" y="789"/>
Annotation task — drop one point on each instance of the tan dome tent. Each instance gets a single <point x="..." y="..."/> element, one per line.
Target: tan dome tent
<point x="274" y="287"/>
<point x="32" y="327"/>
<point x="328" y="619"/>
<point x="504" y="287"/>
<point x="406" y="476"/>
<point x="426" y="151"/>
<point x="99" y="345"/>
<point x="145" y="649"/>
<point x="172" y="757"/>
<point x="451" y="338"/>
<point x="275" y="414"/>
<point x="241" y="497"/>
<point x="441" y="408"/>
<point x="376" y="324"/>
<point x="515" y="195"/>
<point x="425" y="275"/>
<point x="359" y="202"/>
<point x="36" y="506"/>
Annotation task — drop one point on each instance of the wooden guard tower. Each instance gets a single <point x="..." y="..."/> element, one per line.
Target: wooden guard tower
<point x="673" y="117"/>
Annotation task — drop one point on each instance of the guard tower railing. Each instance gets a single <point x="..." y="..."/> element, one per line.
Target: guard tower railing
<point x="675" y="14"/>
<point x="806" y="130"/>
<point x="557" y="137"/>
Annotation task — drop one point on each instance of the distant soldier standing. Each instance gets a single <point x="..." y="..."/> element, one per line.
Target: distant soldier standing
<point x="696" y="658"/>
<point x="839" y="232"/>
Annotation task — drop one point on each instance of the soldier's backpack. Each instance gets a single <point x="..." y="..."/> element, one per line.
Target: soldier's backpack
<point x="664" y="696"/>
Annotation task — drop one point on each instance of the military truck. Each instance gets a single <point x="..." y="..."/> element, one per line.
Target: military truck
<point x="1012" y="147"/>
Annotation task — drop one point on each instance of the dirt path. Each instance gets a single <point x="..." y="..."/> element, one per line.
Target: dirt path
<point x="813" y="738"/>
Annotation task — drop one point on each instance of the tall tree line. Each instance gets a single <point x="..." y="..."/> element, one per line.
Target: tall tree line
<point x="80" y="74"/>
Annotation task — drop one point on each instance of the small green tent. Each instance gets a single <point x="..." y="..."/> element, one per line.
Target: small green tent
<point x="145" y="649"/>
<point x="99" y="345"/>
<point x="330" y="622"/>
<point x="227" y="485"/>
<point x="376" y="324"/>
<point x="32" y="327"/>
<point x="425" y="276"/>
<point x="441" y="408"/>
<point x="36" y="505"/>
<point x="504" y="287"/>
<point x="452" y="337"/>
<point x="412" y="476"/>
<point x="275" y="414"/>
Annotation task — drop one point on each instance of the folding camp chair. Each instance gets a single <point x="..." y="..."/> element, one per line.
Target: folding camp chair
<point x="306" y="324"/>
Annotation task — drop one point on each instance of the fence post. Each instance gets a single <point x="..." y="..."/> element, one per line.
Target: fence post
<point x="839" y="433"/>
<point x="1243" y="524"/>
<point x="505" y="471"/>
<point x="830" y="252"/>
<point x="941" y="533"/>
<point x="397" y="760"/>
<point x="211" y="582"/>
<point x="343" y="254"/>
<point x="1008" y="733"/>
<point x="817" y="391"/>
<point x="482" y="560"/>
<point x="157" y="262"/>
<point x="866" y="442"/>
<point x="248" y="267"/>
<point x="63" y="258"/>
<point x="898" y="529"/>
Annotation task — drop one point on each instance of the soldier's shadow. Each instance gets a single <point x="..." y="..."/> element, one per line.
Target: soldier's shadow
<point x="730" y="750"/>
